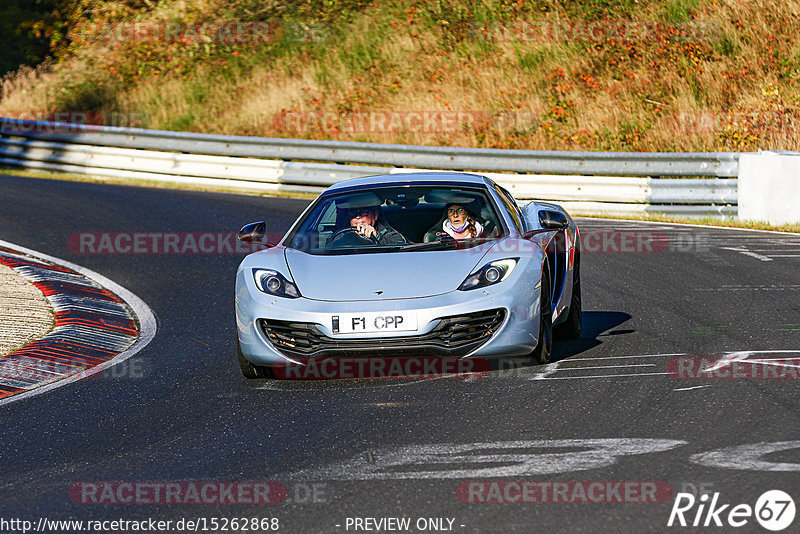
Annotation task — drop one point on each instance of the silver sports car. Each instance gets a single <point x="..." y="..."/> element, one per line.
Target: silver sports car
<point x="440" y="264"/>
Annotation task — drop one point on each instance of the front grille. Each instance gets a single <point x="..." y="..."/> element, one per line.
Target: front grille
<point x="454" y="336"/>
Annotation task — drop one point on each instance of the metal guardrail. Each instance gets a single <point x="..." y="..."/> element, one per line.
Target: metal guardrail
<point x="266" y="164"/>
<point x="718" y="164"/>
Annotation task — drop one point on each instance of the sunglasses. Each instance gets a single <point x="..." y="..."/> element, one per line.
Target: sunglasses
<point x="456" y="211"/>
<point x="359" y="212"/>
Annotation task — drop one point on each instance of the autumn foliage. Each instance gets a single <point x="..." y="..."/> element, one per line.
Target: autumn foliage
<point x="646" y="75"/>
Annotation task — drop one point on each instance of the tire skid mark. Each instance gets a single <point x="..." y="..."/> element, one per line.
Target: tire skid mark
<point x="92" y="326"/>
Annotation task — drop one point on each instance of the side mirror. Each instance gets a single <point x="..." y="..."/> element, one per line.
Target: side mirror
<point x="553" y="220"/>
<point x="254" y="233"/>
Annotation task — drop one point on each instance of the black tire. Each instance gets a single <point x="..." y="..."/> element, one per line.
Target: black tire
<point x="544" y="348"/>
<point x="571" y="328"/>
<point x="249" y="370"/>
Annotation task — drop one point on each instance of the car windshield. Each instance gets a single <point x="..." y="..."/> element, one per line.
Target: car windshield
<point x="398" y="219"/>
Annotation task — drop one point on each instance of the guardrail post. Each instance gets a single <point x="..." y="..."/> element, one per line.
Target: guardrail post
<point x="769" y="187"/>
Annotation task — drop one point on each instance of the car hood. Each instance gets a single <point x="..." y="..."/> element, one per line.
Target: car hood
<point x="381" y="276"/>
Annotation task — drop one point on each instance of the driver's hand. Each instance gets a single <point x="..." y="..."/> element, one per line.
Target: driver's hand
<point x="366" y="230"/>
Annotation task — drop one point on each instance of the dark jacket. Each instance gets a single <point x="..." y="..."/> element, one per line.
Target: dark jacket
<point x="386" y="235"/>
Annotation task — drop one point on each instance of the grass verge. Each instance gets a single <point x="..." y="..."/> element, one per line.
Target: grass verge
<point x="638" y="75"/>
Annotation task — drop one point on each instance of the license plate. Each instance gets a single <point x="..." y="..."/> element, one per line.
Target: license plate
<point x="373" y="322"/>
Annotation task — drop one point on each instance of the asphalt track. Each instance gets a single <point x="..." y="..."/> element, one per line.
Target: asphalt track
<point x="180" y="410"/>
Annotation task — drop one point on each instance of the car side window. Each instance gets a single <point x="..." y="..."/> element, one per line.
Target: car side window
<point x="329" y="216"/>
<point x="511" y="206"/>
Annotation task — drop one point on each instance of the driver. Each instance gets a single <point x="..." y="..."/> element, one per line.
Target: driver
<point x="363" y="212"/>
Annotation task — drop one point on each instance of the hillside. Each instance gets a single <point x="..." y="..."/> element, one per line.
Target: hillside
<point x="641" y="75"/>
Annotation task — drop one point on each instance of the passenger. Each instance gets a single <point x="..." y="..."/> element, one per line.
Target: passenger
<point x="461" y="223"/>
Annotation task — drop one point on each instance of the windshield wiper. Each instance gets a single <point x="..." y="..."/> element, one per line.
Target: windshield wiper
<point x="357" y="249"/>
<point x="442" y="244"/>
<point x="433" y="245"/>
<point x="446" y="244"/>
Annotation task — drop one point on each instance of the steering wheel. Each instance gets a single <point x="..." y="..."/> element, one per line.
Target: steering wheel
<point x="341" y="233"/>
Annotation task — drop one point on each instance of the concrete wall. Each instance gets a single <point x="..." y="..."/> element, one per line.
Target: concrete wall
<point x="769" y="187"/>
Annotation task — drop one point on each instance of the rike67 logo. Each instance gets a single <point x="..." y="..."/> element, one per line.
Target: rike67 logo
<point x="774" y="510"/>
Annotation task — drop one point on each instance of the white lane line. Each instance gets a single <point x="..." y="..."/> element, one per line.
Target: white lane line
<point x="552" y="368"/>
<point x="623" y="357"/>
<point x="728" y="359"/>
<point x="784" y="287"/>
<point x="549" y="369"/>
<point x="603" y="376"/>
<point x="742" y="356"/>
<point x="748" y="253"/>
<point x="144" y="315"/>
<point x="758" y="241"/>
<point x="776" y="364"/>
<point x="784" y="256"/>
<point x="607" y="367"/>
<point x="781" y="351"/>
<point x="693" y="387"/>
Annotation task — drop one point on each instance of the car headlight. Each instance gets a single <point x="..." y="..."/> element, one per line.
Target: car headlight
<point x="274" y="283"/>
<point x="492" y="273"/>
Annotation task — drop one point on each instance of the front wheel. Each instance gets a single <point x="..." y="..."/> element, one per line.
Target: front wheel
<point x="544" y="347"/>
<point x="248" y="369"/>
